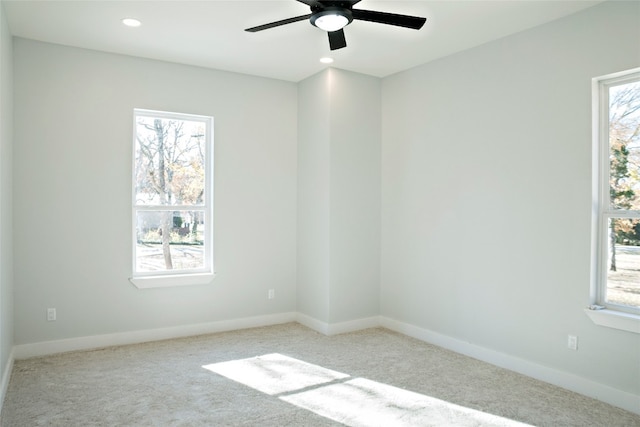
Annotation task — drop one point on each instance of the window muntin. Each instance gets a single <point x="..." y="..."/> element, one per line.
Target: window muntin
<point x="618" y="263"/>
<point x="172" y="194"/>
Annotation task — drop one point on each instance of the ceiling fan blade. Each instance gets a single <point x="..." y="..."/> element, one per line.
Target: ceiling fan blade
<point x="309" y="2"/>
<point x="337" y="39"/>
<point x="278" y="23"/>
<point x="413" y="22"/>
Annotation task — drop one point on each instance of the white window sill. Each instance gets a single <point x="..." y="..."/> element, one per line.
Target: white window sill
<point x="147" y="282"/>
<point x="615" y="319"/>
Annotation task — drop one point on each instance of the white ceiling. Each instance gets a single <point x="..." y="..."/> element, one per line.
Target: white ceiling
<point x="210" y="33"/>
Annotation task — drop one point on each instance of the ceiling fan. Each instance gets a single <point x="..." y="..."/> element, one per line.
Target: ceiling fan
<point x="333" y="16"/>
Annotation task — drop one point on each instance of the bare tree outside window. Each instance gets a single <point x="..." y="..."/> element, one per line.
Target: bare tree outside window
<point x="623" y="278"/>
<point x="170" y="192"/>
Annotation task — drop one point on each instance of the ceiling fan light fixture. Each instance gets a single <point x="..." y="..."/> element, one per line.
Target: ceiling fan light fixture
<point x="331" y="19"/>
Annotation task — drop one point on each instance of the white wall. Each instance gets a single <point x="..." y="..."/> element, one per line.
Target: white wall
<point x="486" y="186"/>
<point x="339" y="196"/>
<point x="355" y="195"/>
<point x="6" y="217"/>
<point x="72" y="178"/>
<point x="314" y="137"/>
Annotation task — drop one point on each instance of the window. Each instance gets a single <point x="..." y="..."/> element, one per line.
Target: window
<point x="617" y="193"/>
<point x="172" y="199"/>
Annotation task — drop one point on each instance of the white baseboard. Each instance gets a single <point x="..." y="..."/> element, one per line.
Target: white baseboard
<point x="337" y="328"/>
<point x="312" y="323"/>
<point x="24" y="351"/>
<point x="354" y="325"/>
<point x="610" y="395"/>
<point x="6" y="377"/>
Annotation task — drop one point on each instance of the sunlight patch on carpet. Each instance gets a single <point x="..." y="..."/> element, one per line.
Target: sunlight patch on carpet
<point x="361" y="402"/>
<point x="351" y="401"/>
<point x="275" y="373"/>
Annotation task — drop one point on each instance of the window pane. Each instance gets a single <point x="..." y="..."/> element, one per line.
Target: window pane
<point x="623" y="266"/>
<point x="169" y="161"/>
<point x="181" y="248"/>
<point x="624" y="146"/>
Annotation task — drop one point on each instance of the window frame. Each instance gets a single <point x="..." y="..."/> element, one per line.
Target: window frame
<point x="168" y="278"/>
<point x="600" y="311"/>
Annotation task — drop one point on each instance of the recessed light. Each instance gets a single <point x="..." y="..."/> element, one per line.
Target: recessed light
<point x="131" y="22"/>
<point x="326" y="60"/>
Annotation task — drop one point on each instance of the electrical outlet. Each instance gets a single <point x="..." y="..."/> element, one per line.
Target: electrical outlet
<point x="572" y="342"/>
<point x="51" y="314"/>
<point x="272" y="294"/>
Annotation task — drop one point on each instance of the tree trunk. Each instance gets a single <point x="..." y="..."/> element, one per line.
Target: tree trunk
<point x="196" y="215"/>
<point x="167" y="216"/>
<point x="194" y="227"/>
<point x="167" y="225"/>
<point x="612" y="244"/>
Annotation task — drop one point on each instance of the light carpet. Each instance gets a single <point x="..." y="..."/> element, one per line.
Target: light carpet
<point x="288" y="375"/>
